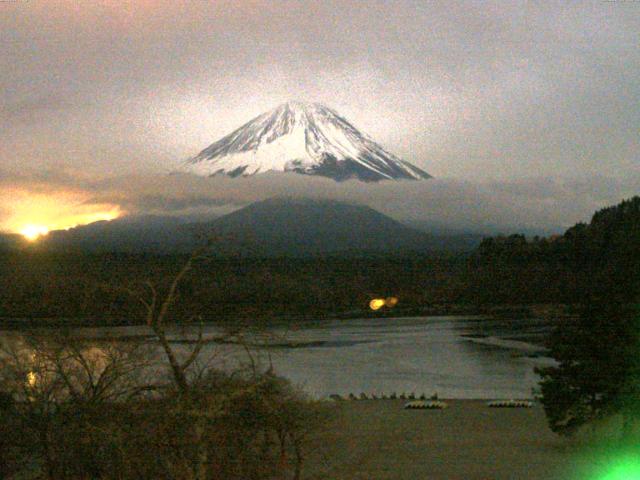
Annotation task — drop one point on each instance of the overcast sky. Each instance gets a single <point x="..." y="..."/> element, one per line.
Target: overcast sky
<point x="542" y="95"/>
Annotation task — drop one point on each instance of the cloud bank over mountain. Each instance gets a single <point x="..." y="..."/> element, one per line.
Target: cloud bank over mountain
<point x="535" y="204"/>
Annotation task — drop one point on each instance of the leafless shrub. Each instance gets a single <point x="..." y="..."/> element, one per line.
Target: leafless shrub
<point x="97" y="409"/>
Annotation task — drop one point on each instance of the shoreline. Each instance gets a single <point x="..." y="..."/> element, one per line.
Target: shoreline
<point x="512" y="312"/>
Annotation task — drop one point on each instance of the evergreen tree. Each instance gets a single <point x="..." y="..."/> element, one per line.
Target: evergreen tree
<point x="598" y="370"/>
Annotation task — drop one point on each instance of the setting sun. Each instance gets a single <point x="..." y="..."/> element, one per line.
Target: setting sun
<point x="33" y="232"/>
<point x="33" y="214"/>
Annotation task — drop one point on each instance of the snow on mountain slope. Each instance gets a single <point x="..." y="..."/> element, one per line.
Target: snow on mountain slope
<point x="306" y="138"/>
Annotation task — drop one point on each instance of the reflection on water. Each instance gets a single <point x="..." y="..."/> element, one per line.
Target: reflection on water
<point x="455" y="357"/>
<point x="32" y="379"/>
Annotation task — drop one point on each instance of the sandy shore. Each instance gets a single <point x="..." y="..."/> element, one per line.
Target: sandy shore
<point x="379" y="440"/>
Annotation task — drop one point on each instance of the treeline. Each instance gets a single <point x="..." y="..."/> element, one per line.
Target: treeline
<point x="597" y="374"/>
<point x="102" y="288"/>
<point x="602" y="255"/>
<point x="512" y="270"/>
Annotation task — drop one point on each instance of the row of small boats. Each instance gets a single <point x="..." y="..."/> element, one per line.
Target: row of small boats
<point x="393" y="396"/>
<point x="438" y="405"/>
<point x="422" y="403"/>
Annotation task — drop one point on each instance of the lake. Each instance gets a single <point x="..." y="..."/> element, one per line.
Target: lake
<point x="455" y="357"/>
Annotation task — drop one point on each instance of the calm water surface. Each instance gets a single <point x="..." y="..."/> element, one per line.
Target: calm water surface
<point x="455" y="357"/>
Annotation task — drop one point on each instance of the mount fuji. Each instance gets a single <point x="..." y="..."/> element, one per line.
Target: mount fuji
<point x="305" y="138"/>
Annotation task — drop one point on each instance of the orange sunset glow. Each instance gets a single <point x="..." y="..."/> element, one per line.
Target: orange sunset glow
<point x="34" y="232"/>
<point x="34" y="215"/>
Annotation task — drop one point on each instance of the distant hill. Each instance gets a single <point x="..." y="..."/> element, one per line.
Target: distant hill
<point x="138" y="234"/>
<point x="10" y="241"/>
<point x="295" y="227"/>
<point x="298" y="227"/>
<point x="274" y="227"/>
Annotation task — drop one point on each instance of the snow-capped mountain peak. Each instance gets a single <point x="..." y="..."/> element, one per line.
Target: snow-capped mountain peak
<point x="301" y="137"/>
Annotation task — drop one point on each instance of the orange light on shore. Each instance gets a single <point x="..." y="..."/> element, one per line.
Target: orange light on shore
<point x="391" y="302"/>
<point x="376" y="304"/>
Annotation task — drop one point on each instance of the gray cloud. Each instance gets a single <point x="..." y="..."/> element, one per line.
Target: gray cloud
<point x="534" y="204"/>
<point x="158" y="203"/>
<point x="28" y="110"/>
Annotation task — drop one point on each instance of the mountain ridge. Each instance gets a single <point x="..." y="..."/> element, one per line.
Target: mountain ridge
<point x="301" y="226"/>
<point x="273" y="227"/>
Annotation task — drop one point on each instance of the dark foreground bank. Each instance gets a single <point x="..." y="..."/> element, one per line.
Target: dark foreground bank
<point x="379" y="440"/>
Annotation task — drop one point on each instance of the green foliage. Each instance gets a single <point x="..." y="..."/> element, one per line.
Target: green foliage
<point x="561" y="268"/>
<point x="598" y="350"/>
<point x="598" y="371"/>
<point x="97" y="288"/>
